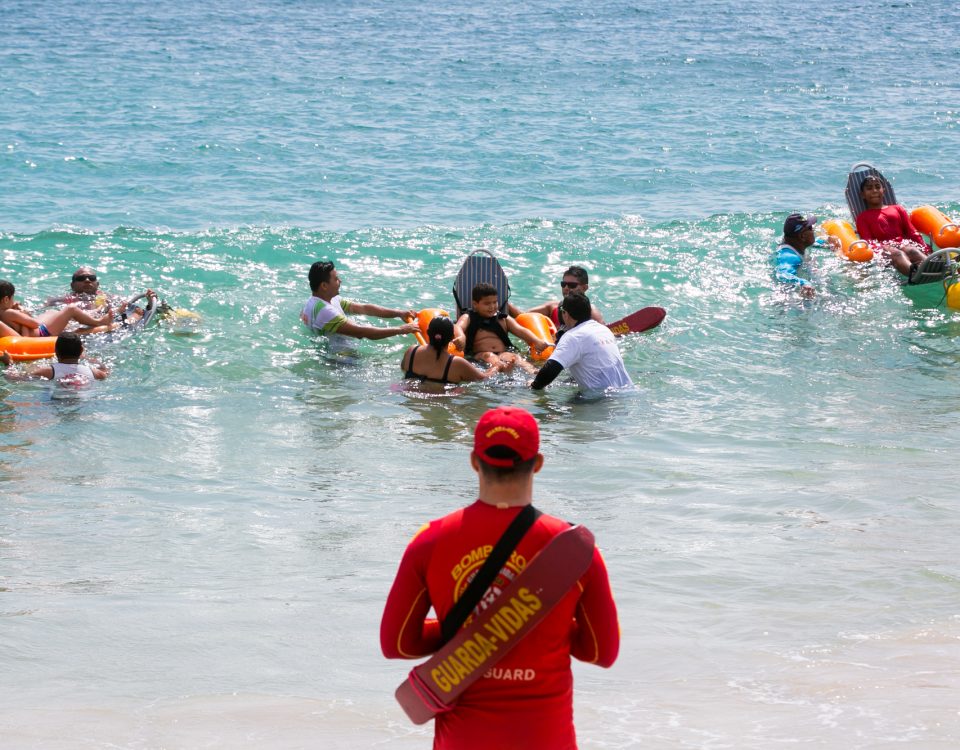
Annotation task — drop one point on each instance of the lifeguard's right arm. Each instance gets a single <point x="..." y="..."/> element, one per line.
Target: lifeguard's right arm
<point x="405" y="631"/>
<point x="596" y="637"/>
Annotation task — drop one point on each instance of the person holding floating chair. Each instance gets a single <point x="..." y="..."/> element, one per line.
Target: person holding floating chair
<point x="326" y="311"/>
<point x="432" y="363"/>
<point x="798" y="235"/>
<point x="574" y="279"/>
<point x="588" y="350"/>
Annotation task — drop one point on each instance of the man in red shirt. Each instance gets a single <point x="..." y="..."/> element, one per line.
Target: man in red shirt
<point x="524" y="701"/>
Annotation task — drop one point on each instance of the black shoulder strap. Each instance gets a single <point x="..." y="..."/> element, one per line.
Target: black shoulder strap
<point x="446" y="370"/>
<point x="410" y="373"/>
<point x="488" y="572"/>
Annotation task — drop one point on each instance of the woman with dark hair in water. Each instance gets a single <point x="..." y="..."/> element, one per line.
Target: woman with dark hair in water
<point x="432" y="363"/>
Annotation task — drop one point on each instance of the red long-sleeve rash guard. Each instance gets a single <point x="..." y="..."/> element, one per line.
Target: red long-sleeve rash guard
<point x="887" y="224"/>
<point x="525" y="700"/>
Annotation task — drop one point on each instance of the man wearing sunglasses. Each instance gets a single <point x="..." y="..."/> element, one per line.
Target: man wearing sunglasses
<point x="574" y="279"/>
<point x="85" y="292"/>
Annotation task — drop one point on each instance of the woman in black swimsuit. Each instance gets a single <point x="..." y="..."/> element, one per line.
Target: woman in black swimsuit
<point x="433" y="364"/>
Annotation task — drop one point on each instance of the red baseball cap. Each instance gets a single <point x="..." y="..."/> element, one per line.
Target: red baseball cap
<point x="509" y="427"/>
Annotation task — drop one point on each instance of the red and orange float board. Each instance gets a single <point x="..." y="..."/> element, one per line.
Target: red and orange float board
<point x="942" y="231"/>
<point x="639" y="321"/>
<point x="428" y="690"/>
<point x="25" y="348"/>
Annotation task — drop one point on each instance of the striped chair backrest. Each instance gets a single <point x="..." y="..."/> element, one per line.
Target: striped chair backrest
<point x="858" y="172"/>
<point x="480" y="267"/>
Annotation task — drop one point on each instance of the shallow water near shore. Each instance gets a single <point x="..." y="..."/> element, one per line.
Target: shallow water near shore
<point x="196" y="554"/>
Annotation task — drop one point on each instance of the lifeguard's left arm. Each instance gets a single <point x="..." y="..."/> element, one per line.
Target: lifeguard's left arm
<point x="596" y="636"/>
<point x="548" y="373"/>
<point x="405" y="630"/>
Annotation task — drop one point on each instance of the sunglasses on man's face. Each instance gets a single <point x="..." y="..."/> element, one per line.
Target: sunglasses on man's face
<point x="569" y="284"/>
<point x="85" y="277"/>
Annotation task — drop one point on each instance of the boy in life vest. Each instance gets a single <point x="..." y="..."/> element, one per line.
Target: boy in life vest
<point x="483" y="331"/>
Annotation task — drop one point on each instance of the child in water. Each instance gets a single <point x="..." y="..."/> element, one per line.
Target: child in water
<point x="482" y="332"/>
<point x="889" y="229"/>
<point x="67" y="370"/>
<point x="17" y="322"/>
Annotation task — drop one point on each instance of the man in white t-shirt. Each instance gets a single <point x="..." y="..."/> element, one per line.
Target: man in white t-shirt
<point x="588" y="350"/>
<point x="326" y="312"/>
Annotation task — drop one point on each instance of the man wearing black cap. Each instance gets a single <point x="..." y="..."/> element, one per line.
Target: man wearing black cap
<point x="798" y="235"/>
<point x="524" y="699"/>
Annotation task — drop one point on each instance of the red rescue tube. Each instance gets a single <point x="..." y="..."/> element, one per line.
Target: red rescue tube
<point x="934" y="223"/>
<point x="543" y="328"/>
<point x="24" y="348"/>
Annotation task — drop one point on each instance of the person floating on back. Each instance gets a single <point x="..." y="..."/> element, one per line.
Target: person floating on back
<point x="16" y="321"/>
<point x="798" y="235"/>
<point x="67" y="370"/>
<point x="483" y="331"/>
<point x="326" y="312"/>
<point x="889" y="230"/>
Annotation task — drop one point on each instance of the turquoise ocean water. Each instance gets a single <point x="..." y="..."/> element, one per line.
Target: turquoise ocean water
<point x="196" y="554"/>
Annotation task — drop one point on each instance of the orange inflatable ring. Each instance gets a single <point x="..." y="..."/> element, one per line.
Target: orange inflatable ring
<point x="843" y="235"/>
<point x="543" y="328"/>
<point x="933" y="223"/>
<point x="423" y="320"/>
<point x="23" y="348"/>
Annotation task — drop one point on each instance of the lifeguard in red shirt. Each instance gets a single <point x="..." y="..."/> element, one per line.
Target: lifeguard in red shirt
<point x="888" y="228"/>
<point x="525" y="701"/>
